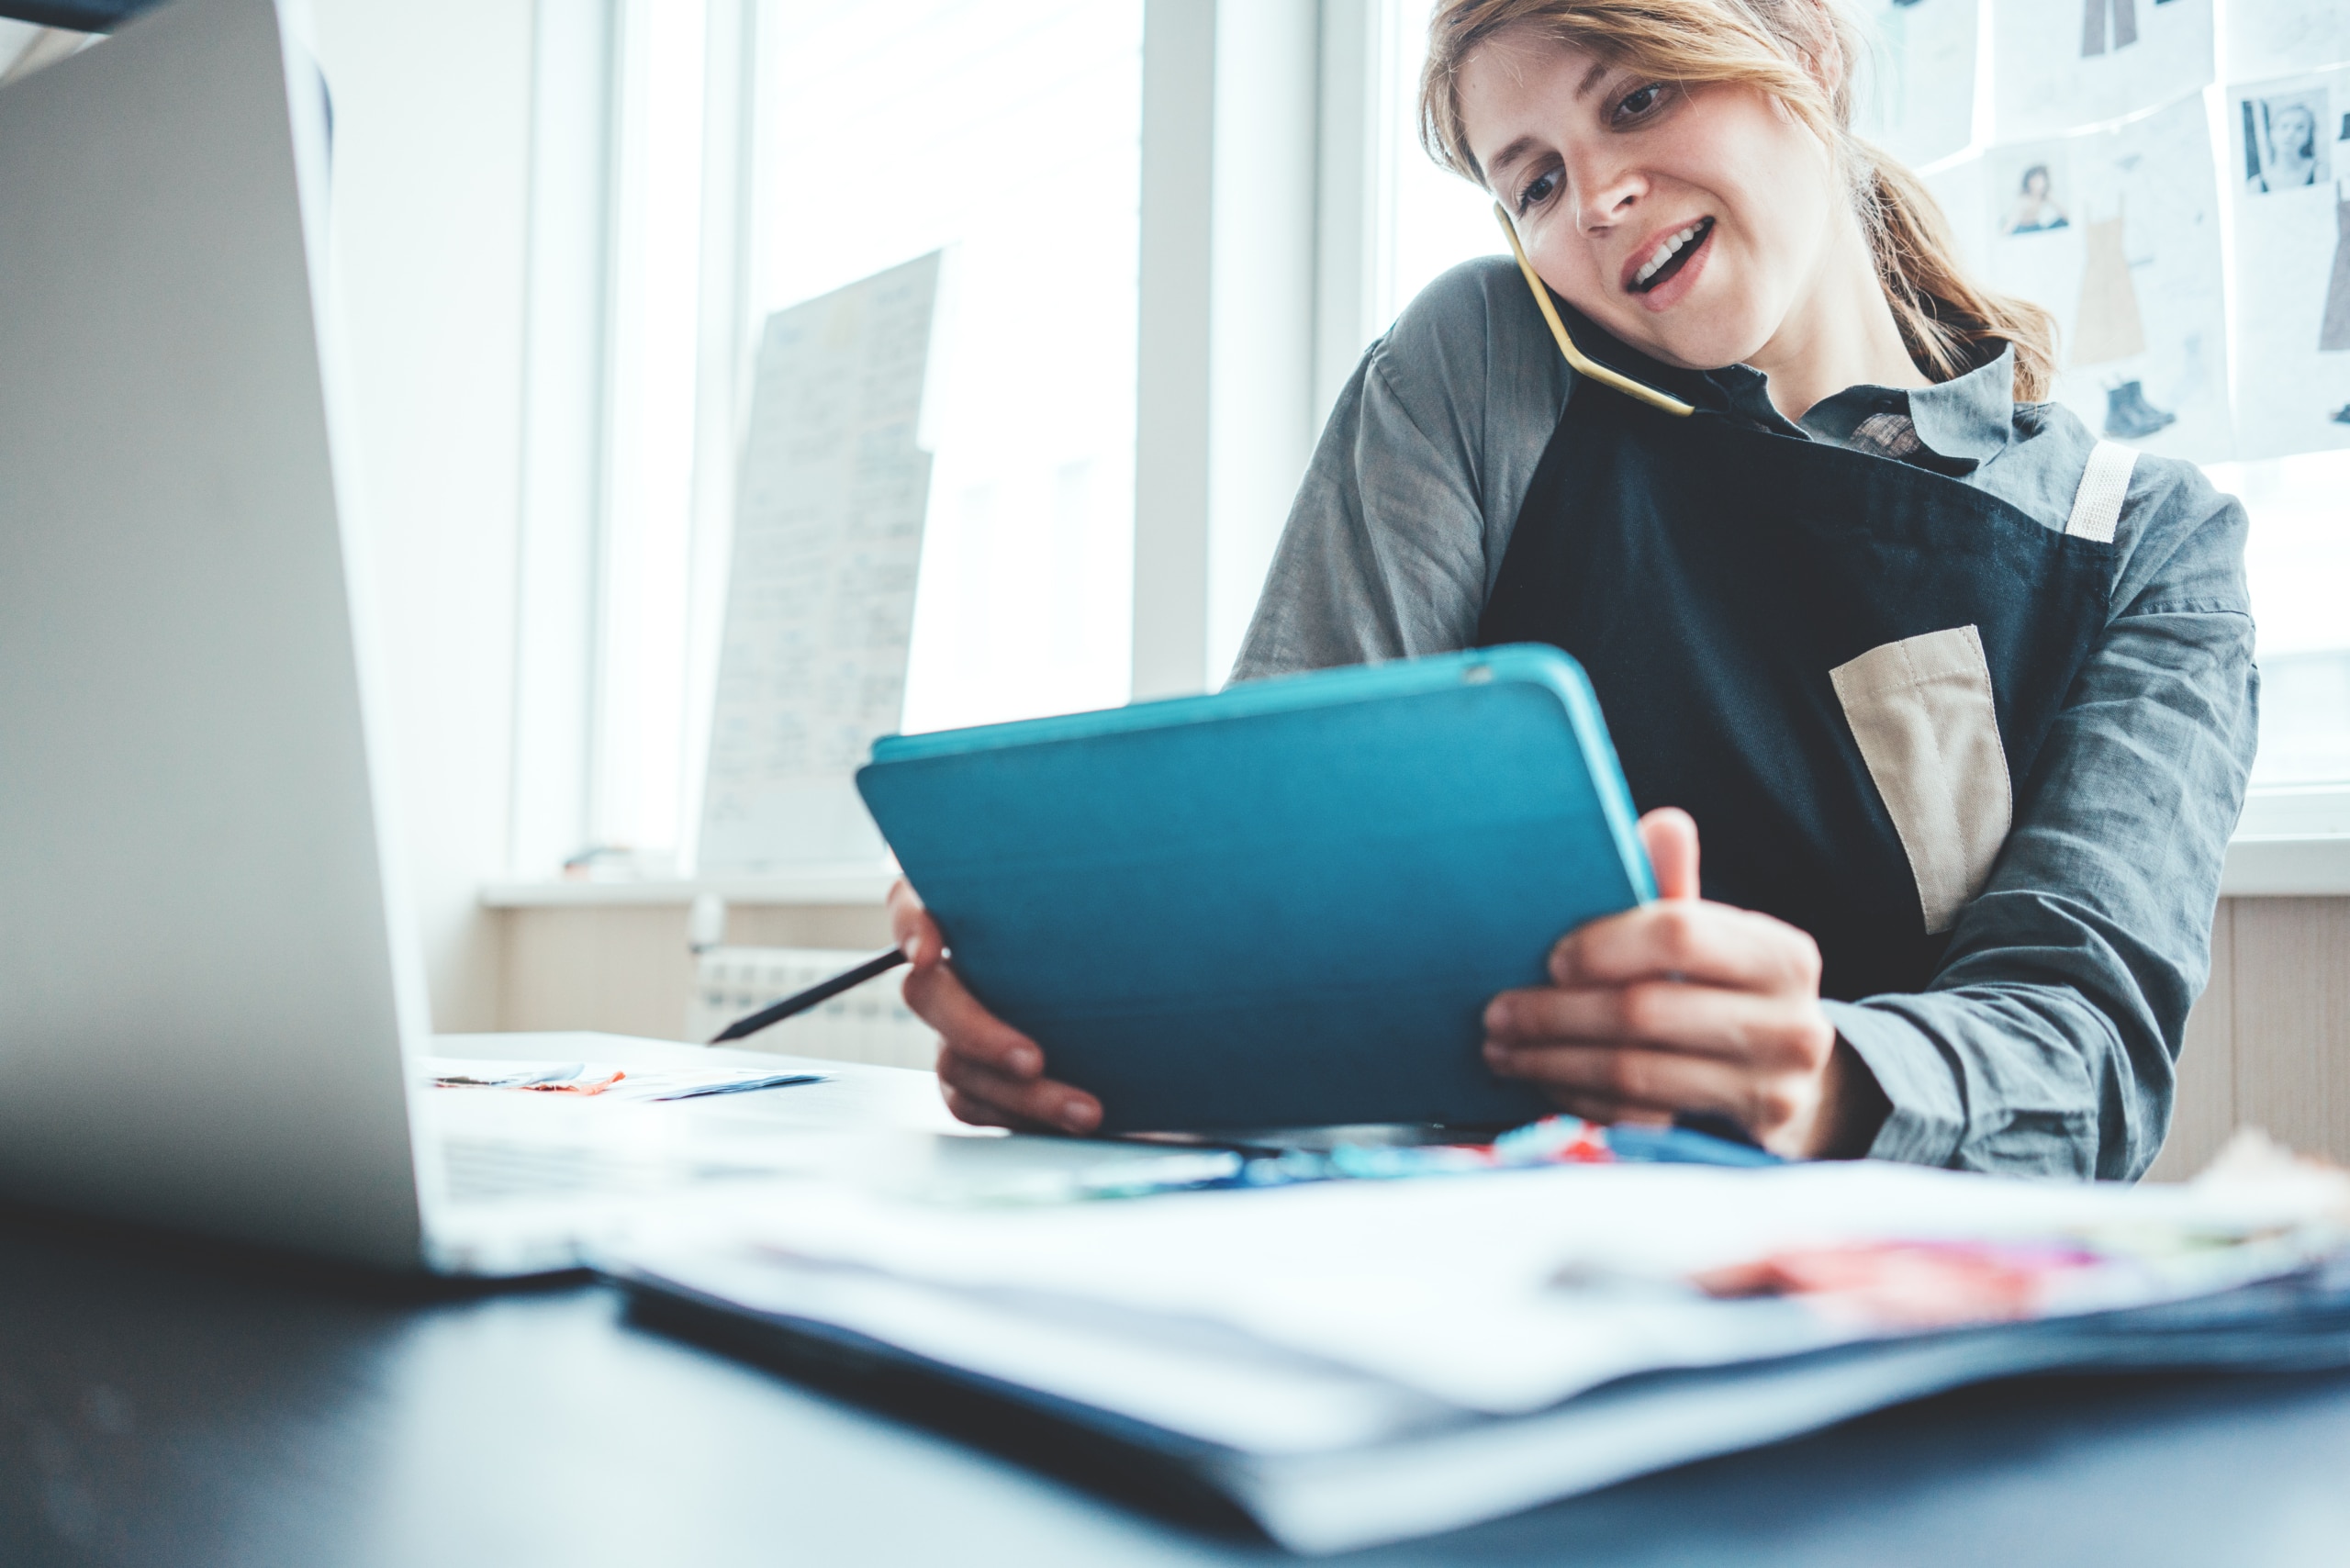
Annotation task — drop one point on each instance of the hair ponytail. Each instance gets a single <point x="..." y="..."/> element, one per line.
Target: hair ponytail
<point x="1948" y="323"/>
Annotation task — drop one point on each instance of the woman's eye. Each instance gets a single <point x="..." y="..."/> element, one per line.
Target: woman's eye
<point x="1639" y="101"/>
<point x="1536" y="192"/>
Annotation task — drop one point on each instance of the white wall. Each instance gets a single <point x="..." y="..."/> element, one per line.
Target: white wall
<point x="432" y="118"/>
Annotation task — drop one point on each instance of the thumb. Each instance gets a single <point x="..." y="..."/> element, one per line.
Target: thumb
<point x="1669" y="834"/>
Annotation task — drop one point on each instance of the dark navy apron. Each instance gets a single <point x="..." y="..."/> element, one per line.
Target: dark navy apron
<point x="1709" y="575"/>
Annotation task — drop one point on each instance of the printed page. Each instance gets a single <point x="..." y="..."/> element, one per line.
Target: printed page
<point x="1919" y="101"/>
<point x="821" y="596"/>
<point x="2118" y="233"/>
<point x="2289" y="163"/>
<point x="2278" y="38"/>
<point x="2061" y="64"/>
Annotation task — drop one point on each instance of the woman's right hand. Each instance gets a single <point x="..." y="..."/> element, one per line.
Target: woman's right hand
<point x="993" y="1075"/>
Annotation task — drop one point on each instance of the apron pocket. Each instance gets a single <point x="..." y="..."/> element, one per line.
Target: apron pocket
<point x="1922" y="713"/>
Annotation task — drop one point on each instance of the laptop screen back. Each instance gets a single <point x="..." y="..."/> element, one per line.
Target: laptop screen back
<point x="203" y="987"/>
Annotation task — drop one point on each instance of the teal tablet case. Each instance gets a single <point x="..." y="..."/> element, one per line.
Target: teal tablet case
<point x="1282" y="905"/>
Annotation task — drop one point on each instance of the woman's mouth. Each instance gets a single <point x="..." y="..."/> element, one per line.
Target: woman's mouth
<point x="1669" y="258"/>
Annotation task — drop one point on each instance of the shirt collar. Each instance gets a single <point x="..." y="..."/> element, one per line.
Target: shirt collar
<point x="1968" y="419"/>
<point x="1965" y="422"/>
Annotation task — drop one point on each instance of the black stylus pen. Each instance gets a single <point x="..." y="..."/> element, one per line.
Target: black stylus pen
<point x="801" y="1001"/>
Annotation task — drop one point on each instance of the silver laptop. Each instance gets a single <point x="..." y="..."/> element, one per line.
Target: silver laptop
<point x="206" y="978"/>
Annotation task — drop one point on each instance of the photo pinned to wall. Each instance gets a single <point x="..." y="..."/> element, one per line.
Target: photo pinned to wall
<point x="1919" y="101"/>
<point x="2280" y="38"/>
<point x="2117" y="233"/>
<point x="2061" y="64"/>
<point x="2285" y="139"/>
<point x="2290" y="147"/>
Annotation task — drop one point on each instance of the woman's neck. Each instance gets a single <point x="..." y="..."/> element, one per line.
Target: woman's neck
<point x="1841" y="334"/>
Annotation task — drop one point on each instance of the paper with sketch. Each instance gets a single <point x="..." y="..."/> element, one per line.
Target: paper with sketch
<point x="2058" y="65"/>
<point x="1919" y="101"/>
<point x="602" y="1081"/>
<point x="2118" y="233"/>
<point x="2278" y="38"/>
<point x="2289" y="166"/>
<point x="820" y="597"/>
<point x="1507" y="1293"/>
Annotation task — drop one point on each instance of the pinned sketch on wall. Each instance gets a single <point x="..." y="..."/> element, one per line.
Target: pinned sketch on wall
<point x="820" y="598"/>
<point x="2291" y="146"/>
<point x="2033" y="207"/>
<point x="2278" y="38"/>
<point x="2061" y="64"/>
<point x="2117" y="233"/>
<point x="1920" y="104"/>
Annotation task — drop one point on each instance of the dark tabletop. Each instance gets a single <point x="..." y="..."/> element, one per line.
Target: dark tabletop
<point x="163" y="1404"/>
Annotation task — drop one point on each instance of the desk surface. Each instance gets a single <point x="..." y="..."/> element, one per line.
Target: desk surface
<point x="158" y="1405"/>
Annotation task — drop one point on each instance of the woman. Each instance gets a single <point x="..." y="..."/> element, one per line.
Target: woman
<point x="2292" y="145"/>
<point x="2035" y="211"/>
<point x="1961" y="700"/>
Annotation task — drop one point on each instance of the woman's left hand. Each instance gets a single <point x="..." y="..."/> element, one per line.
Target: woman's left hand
<point x="1685" y="1005"/>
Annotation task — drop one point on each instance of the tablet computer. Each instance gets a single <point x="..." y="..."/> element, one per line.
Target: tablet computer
<point x="1282" y="905"/>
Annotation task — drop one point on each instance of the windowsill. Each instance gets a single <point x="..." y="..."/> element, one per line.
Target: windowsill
<point x="2292" y="840"/>
<point x="2287" y="865"/>
<point x="862" y="883"/>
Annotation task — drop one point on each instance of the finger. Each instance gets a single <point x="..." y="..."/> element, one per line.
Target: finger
<point x="1607" y="1112"/>
<point x="1769" y="1033"/>
<point x="936" y="996"/>
<point x="1037" y="1101"/>
<point x="1670" y="835"/>
<point x="1643" y="1079"/>
<point x="976" y="1112"/>
<point x="911" y="926"/>
<point x="1689" y="939"/>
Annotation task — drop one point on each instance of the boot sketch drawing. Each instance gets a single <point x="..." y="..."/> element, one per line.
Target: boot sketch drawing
<point x="2128" y="415"/>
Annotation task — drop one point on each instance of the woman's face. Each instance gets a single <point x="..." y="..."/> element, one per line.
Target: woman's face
<point x="2296" y="132"/>
<point x="2035" y="185"/>
<point x="1694" y="224"/>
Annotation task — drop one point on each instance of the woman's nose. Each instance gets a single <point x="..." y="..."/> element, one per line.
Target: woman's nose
<point x="1602" y="197"/>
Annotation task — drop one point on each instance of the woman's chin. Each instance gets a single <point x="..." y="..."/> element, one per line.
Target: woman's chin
<point x="1690" y="342"/>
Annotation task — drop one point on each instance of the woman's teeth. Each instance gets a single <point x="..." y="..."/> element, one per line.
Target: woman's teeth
<point x="1671" y="247"/>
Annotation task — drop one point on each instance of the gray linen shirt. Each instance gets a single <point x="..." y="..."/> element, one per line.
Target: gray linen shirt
<point x="2048" y="1042"/>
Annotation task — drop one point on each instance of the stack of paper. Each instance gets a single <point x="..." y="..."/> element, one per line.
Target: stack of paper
<point x="1361" y="1361"/>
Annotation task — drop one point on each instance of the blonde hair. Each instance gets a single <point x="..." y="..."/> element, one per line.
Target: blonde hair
<point x="1948" y="322"/>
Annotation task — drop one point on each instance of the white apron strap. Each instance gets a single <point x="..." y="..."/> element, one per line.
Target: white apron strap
<point x="2096" y="505"/>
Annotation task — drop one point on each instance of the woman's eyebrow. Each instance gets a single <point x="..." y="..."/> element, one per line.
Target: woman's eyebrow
<point x="1510" y="154"/>
<point x="1524" y="144"/>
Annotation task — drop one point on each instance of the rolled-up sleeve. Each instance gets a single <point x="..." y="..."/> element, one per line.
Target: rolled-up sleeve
<point x="2048" y="1042"/>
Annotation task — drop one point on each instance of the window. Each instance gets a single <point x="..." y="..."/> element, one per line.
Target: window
<point x="1429" y="219"/>
<point x="1004" y="131"/>
<point x="2299" y="560"/>
<point x="639" y="763"/>
<point x="1009" y="132"/>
